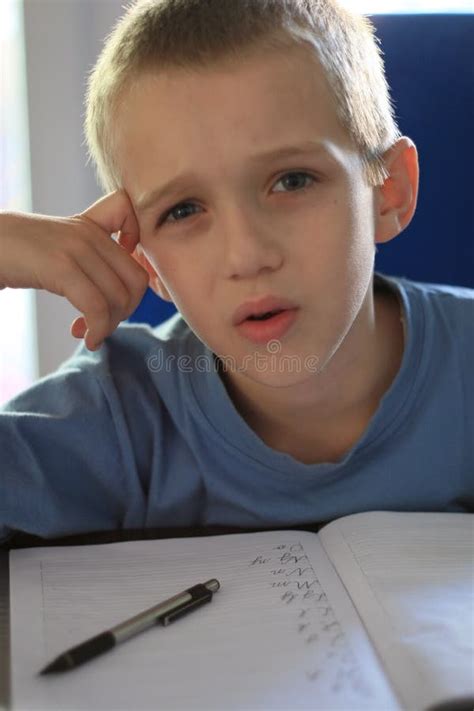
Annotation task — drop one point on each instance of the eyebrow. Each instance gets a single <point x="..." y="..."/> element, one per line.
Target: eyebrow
<point x="148" y="200"/>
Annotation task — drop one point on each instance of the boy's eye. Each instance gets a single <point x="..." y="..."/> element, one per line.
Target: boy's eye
<point x="298" y="174"/>
<point x="182" y="206"/>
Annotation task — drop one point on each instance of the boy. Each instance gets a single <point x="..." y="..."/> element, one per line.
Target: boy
<point x="294" y="385"/>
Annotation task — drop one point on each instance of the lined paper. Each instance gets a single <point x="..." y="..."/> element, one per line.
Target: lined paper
<point x="411" y="576"/>
<point x="281" y="633"/>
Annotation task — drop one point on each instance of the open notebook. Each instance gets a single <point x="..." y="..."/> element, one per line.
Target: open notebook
<point x="374" y="612"/>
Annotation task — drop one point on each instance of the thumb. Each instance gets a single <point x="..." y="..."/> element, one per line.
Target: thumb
<point x="114" y="213"/>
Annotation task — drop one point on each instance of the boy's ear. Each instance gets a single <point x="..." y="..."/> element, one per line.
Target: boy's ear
<point x="395" y="200"/>
<point x="155" y="282"/>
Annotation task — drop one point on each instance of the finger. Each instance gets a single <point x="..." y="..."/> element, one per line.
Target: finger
<point x="79" y="330"/>
<point x="126" y="241"/>
<point x="120" y="302"/>
<point x="131" y="273"/>
<point x="78" y="327"/>
<point x="123" y="297"/>
<point x="105" y="301"/>
<point x="119" y="278"/>
<point x="88" y="299"/>
<point x="114" y="213"/>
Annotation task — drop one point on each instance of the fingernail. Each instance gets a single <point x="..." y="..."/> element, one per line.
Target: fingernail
<point x="90" y="344"/>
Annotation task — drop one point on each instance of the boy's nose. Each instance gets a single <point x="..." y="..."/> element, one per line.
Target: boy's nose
<point x="249" y="246"/>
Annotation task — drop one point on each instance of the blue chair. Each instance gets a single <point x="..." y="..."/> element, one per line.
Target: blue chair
<point x="152" y="309"/>
<point x="429" y="63"/>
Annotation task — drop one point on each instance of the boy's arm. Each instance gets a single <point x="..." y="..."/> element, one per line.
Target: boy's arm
<point x="75" y="257"/>
<point x="67" y="465"/>
<point x="64" y="465"/>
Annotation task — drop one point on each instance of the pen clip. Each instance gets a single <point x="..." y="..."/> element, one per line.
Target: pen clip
<point x="200" y="594"/>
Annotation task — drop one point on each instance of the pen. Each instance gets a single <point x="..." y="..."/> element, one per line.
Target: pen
<point x="164" y="613"/>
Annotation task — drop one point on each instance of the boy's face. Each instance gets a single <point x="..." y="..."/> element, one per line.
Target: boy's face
<point x="244" y="228"/>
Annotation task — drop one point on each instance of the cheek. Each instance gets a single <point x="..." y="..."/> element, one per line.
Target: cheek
<point x="349" y="239"/>
<point x="167" y="264"/>
<point x="325" y="244"/>
<point x="182" y="276"/>
<point x="337" y="260"/>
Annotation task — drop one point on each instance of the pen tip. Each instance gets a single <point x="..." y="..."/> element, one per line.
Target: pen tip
<point x="213" y="585"/>
<point x="59" y="664"/>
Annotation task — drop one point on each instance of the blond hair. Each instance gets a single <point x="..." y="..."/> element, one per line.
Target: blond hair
<point x="194" y="34"/>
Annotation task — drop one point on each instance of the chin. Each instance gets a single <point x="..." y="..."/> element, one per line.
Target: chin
<point x="278" y="374"/>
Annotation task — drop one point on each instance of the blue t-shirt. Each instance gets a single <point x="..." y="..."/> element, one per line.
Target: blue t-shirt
<point x="143" y="433"/>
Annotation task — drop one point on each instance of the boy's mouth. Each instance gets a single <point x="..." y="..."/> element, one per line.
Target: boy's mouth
<point x="266" y="316"/>
<point x="262" y="309"/>
<point x="265" y="319"/>
<point x="267" y="326"/>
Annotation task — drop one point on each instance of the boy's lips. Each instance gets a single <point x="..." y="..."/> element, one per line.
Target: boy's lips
<point x="270" y="328"/>
<point x="258" y="307"/>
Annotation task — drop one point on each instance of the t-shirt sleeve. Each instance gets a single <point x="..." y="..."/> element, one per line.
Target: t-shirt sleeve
<point x="66" y="462"/>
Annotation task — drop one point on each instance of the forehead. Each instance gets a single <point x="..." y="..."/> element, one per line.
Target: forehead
<point x="177" y="120"/>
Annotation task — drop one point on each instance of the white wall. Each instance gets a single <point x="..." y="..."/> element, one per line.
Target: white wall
<point x="63" y="39"/>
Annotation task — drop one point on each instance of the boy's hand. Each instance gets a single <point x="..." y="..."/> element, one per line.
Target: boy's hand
<point x="75" y="257"/>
